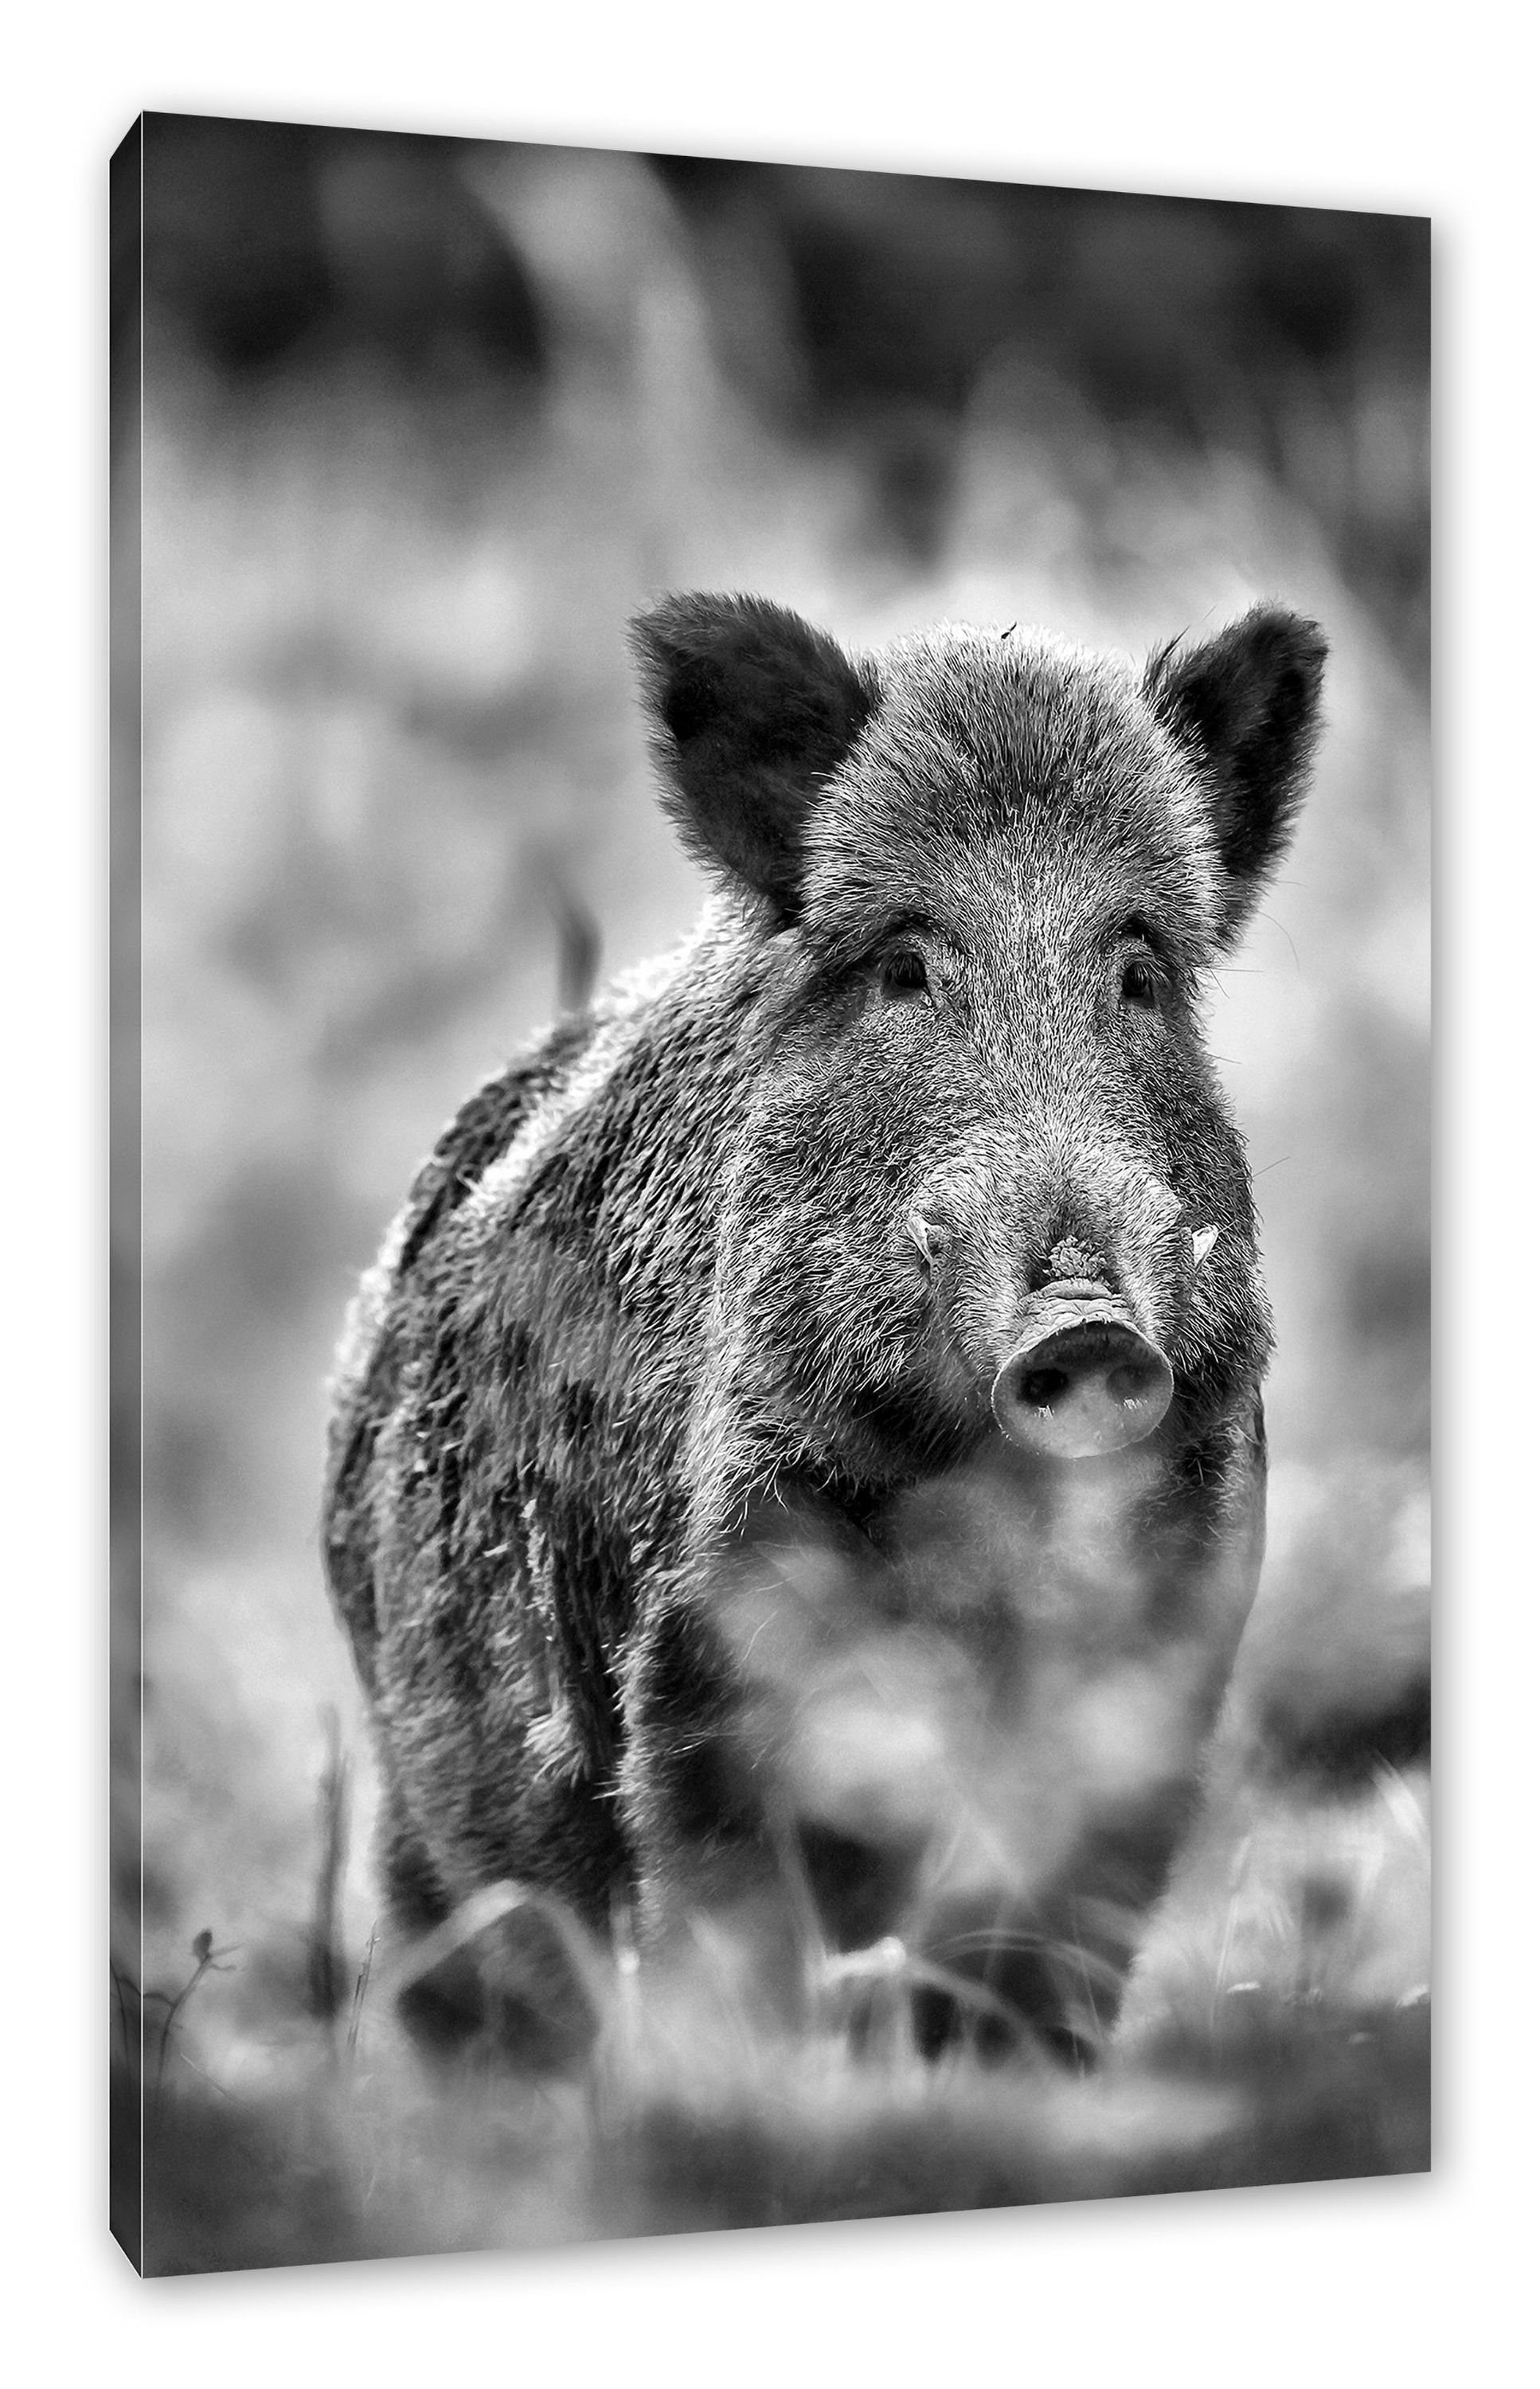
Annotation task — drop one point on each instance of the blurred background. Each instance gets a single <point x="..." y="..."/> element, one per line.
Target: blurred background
<point x="424" y="422"/>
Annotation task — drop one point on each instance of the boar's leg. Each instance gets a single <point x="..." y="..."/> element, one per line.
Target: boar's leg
<point x="1060" y="1964"/>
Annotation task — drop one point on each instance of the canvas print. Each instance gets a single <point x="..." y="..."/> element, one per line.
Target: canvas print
<point x="771" y="1195"/>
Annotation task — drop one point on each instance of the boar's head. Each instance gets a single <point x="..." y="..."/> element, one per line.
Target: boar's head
<point x="987" y="1180"/>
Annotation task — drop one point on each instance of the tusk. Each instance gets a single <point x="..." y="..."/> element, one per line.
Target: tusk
<point x="1203" y="1242"/>
<point x="931" y="1242"/>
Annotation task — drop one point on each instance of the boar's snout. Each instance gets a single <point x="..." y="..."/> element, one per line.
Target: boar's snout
<point x="1082" y="1381"/>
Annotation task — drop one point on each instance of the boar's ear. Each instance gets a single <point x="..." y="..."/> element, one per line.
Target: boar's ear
<point x="751" y="707"/>
<point x="1245" y="706"/>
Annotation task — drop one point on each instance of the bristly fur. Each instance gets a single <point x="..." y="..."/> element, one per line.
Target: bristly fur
<point x="658" y="1295"/>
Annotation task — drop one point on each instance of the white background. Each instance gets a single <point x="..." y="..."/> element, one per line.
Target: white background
<point x="1332" y="104"/>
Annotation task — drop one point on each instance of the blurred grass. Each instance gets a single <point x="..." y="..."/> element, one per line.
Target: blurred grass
<point x="687" y="2117"/>
<point x="424" y="423"/>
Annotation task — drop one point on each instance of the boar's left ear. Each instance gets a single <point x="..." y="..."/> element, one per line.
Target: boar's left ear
<point x="751" y="708"/>
<point x="1246" y="706"/>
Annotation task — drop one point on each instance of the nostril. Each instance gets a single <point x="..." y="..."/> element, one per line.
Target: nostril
<point x="1135" y="1381"/>
<point x="1043" y="1388"/>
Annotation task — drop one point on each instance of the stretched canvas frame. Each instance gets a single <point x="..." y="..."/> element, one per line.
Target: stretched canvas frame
<point x="422" y="424"/>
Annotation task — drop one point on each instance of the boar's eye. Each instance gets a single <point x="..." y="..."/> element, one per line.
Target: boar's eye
<point x="1142" y="979"/>
<point x="904" y="973"/>
<point x="1141" y="983"/>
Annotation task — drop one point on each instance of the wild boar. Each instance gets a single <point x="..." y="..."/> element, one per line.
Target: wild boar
<point x="808" y="1389"/>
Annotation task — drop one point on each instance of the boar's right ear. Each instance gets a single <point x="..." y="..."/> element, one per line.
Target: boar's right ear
<point x="751" y="708"/>
<point x="1245" y="706"/>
